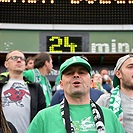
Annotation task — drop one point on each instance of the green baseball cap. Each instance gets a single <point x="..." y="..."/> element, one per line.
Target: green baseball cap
<point x="79" y="60"/>
<point x="119" y="63"/>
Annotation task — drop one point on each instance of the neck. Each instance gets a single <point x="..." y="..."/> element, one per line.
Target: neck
<point x="127" y="92"/>
<point x="16" y="76"/>
<point x="78" y="100"/>
<point x="42" y="71"/>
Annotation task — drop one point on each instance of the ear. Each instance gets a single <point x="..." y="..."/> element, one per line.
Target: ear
<point x="46" y="63"/>
<point x="118" y="74"/>
<point x="61" y="84"/>
<point x="6" y="64"/>
<point x="91" y="80"/>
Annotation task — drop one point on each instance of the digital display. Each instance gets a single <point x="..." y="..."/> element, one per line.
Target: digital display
<point x="64" y="44"/>
<point x="58" y="42"/>
<point x="67" y="11"/>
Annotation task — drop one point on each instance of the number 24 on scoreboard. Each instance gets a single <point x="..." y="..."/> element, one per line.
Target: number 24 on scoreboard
<point x="61" y="44"/>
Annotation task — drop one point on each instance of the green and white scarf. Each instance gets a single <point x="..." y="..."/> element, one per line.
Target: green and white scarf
<point x="115" y="102"/>
<point x="96" y="111"/>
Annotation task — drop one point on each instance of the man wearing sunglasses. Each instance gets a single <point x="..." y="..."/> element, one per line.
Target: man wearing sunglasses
<point x="21" y="99"/>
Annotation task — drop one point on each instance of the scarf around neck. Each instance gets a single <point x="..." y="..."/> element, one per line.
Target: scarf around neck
<point x="96" y="111"/>
<point x="115" y="102"/>
<point x="37" y="78"/>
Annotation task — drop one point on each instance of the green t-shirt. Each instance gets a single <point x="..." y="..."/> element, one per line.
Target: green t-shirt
<point x="35" y="76"/>
<point x="49" y="120"/>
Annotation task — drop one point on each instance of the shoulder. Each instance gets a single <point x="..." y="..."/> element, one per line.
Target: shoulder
<point x="112" y="123"/>
<point x="93" y="91"/>
<point x="104" y="100"/>
<point x="33" y="85"/>
<point x="59" y="92"/>
<point x="50" y="111"/>
<point x="13" y="129"/>
<point x="108" y="114"/>
<point x="105" y="96"/>
<point x="29" y="74"/>
<point x="3" y="75"/>
<point x="106" y="86"/>
<point x="26" y="72"/>
<point x="106" y="110"/>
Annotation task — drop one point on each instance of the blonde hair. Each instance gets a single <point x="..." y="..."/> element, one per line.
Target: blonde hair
<point x="13" y="51"/>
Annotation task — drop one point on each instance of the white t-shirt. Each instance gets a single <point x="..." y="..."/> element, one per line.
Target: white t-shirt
<point x="127" y="106"/>
<point x="16" y="104"/>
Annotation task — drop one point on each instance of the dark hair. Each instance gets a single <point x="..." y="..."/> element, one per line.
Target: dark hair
<point x="40" y="59"/>
<point x="29" y="58"/>
<point x="103" y="68"/>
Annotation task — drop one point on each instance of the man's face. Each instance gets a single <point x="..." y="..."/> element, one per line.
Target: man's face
<point x="75" y="81"/>
<point x="50" y="65"/>
<point x="97" y="78"/>
<point x="104" y="72"/>
<point x="126" y="74"/>
<point x="15" y="62"/>
<point x="30" y="64"/>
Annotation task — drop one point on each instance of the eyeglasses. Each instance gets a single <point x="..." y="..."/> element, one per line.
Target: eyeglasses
<point x="15" y="58"/>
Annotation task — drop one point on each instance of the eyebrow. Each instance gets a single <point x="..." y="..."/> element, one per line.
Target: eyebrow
<point x="130" y="64"/>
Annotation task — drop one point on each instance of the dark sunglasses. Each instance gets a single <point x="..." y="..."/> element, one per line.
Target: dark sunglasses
<point x="15" y="58"/>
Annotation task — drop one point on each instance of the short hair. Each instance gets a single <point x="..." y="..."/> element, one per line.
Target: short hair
<point x="103" y="68"/>
<point x="29" y="58"/>
<point x="40" y="59"/>
<point x="13" y="51"/>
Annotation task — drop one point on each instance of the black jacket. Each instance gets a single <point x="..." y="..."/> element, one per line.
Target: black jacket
<point x="13" y="129"/>
<point x="36" y="93"/>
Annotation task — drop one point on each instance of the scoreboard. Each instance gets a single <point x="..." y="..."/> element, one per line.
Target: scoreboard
<point x="66" y="41"/>
<point x="67" y="11"/>
<point x="60" y="41"/>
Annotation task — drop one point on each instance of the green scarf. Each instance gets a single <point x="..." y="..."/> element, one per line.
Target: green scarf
<point x="45" y="86"/>
<point x="115" y="102"/>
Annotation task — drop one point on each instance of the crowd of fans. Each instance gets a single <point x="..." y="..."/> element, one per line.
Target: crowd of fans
<point x="28" y="105"/>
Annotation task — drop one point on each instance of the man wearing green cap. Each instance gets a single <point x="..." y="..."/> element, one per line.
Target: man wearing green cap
<point x="120" y="101"/>
<point x="76" y="113"/>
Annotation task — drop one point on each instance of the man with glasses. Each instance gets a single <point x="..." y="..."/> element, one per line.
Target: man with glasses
<point x="120" y="101"/>
<point x="21" y="99"/>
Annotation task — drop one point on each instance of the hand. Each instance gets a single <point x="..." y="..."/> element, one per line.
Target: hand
<point x="109" y="79"/>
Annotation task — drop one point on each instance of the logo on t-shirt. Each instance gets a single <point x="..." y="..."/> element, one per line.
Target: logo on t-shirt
<point x="84" y="125"/>
<point x="15" y="95"/>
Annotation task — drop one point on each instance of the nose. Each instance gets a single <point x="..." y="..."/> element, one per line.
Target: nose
<point x="19" y="59"/>
<point x="76" y="75"/>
